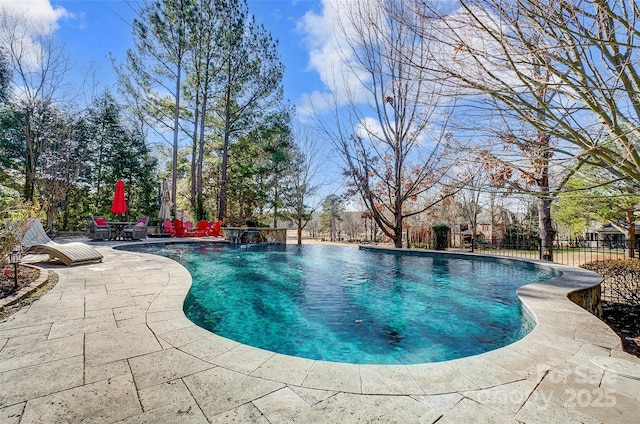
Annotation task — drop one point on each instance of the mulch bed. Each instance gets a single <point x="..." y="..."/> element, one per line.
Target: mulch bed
<point x="26" y="275"/>
<point x="624" y="320"/>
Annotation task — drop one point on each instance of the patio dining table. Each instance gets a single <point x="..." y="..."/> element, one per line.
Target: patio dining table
<point x="119" y="227"/>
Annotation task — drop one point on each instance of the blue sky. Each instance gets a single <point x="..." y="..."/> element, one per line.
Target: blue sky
<point x="94" y="29"/>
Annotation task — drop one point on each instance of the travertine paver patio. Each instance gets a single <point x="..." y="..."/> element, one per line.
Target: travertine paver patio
<point x="110" y="343"/>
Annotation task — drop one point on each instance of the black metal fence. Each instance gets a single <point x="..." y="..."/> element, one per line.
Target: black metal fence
<point x="567" y="251"/>
<point x="617" y="288"/>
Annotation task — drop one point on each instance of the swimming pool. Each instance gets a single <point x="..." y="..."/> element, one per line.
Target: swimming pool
<point x="346" y="305"/>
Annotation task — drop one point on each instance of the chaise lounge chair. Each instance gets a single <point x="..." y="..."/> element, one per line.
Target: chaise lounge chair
<point x="35" y="240"/>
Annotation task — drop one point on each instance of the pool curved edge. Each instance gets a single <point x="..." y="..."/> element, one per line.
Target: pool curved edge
<point x="564" y="334"/>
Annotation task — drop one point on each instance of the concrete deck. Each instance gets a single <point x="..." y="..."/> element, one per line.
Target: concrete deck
<point x="110" y="343"/>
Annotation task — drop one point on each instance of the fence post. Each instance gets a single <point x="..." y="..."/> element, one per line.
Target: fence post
<point x="541" y="248"/>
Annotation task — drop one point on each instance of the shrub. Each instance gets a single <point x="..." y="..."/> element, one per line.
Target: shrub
<point x="440" y="237"/>
<point x="13" y="223"/>
<point x="621" y="280"/>
<point x="254" y="222"/>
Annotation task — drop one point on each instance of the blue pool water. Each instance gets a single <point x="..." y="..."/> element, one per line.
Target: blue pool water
<point x="346" y="305"/>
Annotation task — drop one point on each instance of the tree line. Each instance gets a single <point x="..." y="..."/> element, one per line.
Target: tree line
<point x="202" y="86"/>
<point x="61" y="155"/>
<point x="203" y="71"/>
<point x="455" y="104"/>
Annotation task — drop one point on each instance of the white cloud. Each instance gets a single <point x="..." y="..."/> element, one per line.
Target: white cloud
<point x="39" y="17"/>
<point x="471" y="52"/>
<point x="369" y="129"/>
<point x="330" y="55"/>
<point x="24" y="25"/>
<point x="314" y="103"/>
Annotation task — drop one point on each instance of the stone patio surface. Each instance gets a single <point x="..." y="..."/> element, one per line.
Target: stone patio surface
<point x="110" y="344"/>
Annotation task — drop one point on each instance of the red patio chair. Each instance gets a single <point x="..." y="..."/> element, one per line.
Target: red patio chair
<point x="180" y="231"/>
<point x="215" y="228"/>
<point x="188" y="228"/>
<point x="202" y="228"/>
<point x="167" y="228"/>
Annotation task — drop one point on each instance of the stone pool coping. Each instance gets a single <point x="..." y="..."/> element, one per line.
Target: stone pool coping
<point x="114" y="333"/>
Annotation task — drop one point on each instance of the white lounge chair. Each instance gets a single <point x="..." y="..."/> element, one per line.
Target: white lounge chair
<point x="35" y="240"/>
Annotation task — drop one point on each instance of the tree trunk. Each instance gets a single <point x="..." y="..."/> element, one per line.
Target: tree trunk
<point x="30" y="166"/>
<point x="332" y="228"/>
<point x="397" y="230"/>
<point x="225" y="149"/>
<point x="631" y="235"/>
<point x="546" y="228"/>
<point x="397" y="239"/>
<point x="200" y="163"/>
<point x="223" y="182"/>
<point x="299" y="229"/>
<point x="474" y="225"/>
<point x="176" y="129"/>
<point x="374" y="230"/>
<point x="275" y="208"/>
<point x="50" y="213"/>
<point x="545" y="224"/>
<point x="194" y="157"/>
<point x="65" y="214"/>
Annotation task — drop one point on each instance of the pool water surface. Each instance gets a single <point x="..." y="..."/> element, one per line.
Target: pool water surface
<point x="342" y="304"/>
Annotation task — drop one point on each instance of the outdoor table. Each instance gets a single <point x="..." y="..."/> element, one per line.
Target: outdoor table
<point x="119" y="227"/>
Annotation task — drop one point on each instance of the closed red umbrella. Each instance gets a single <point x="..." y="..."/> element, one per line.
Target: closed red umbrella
<point x="119" y="206"/>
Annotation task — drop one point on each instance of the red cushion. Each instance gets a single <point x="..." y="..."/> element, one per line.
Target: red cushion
<point x="100" y="221"/>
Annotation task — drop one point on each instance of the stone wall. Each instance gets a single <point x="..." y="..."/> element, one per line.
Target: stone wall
<point x="255" y="235"/>
<point x="588" y="299"/>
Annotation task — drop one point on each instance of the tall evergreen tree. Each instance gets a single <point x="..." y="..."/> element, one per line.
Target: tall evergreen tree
<point x="5" y="76"/>
<point x="119" y="152"/>
<point x="258" y="165"/>
<point x="332" y="208"/>
<point x="205" y="31"/>
<point x="156" y="65"/>
<point x="250" y="81"/>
